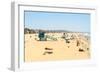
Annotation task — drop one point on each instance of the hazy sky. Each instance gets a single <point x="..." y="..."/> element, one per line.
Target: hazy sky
<point x="58" y="21"/>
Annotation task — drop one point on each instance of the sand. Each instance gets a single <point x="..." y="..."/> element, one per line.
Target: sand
<point x="60" y="50"/>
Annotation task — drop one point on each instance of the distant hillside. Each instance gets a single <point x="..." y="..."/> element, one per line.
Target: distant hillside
<point x="31" y="31"/>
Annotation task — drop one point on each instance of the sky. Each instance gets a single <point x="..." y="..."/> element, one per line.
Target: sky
<point x="75" y="22"/>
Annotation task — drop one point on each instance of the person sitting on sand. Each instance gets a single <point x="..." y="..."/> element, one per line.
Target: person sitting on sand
<point x="65" y="37"/>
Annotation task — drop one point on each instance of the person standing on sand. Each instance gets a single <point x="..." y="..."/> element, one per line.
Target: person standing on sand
<point x="78" y="43"/>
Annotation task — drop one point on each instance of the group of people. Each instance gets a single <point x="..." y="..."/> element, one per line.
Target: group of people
<point x="79" y="43"/>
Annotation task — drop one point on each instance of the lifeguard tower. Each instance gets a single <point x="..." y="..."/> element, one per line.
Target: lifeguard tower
<point x="42" y="36"/>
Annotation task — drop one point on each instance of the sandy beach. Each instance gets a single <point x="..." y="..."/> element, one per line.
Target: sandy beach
<point x="56" y="48"/>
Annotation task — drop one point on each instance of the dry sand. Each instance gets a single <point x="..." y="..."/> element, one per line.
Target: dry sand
<point x="35" y="50"/>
